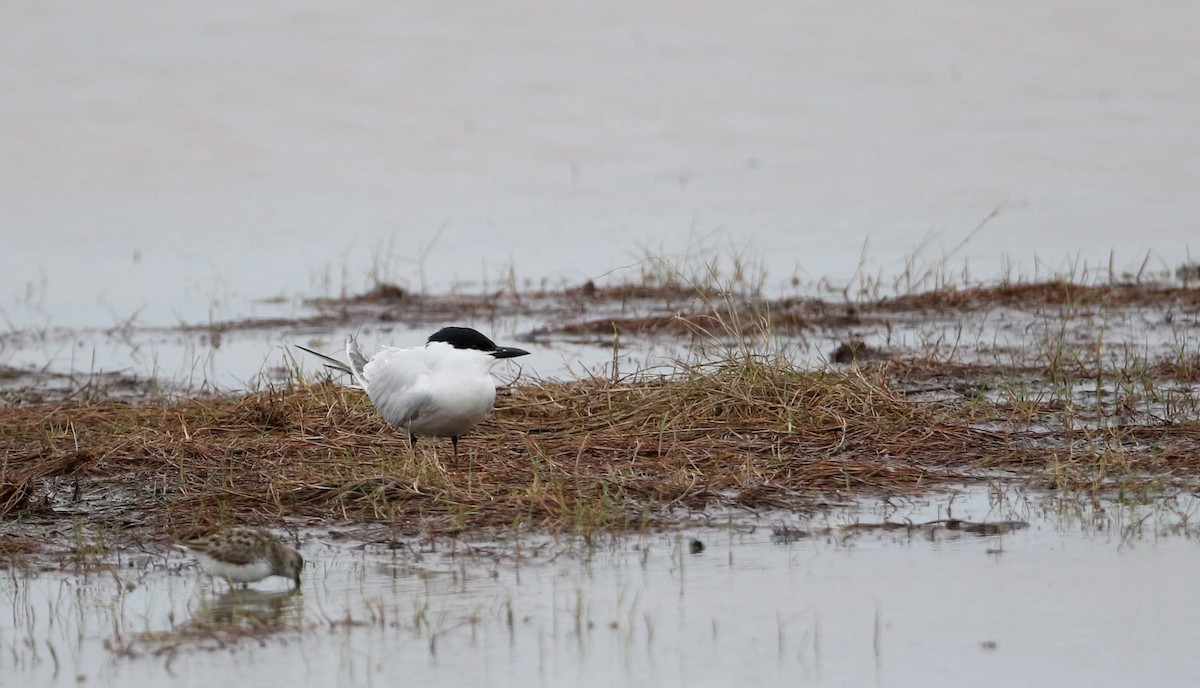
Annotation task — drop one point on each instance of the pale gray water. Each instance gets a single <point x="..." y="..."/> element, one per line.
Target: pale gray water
<point x="1077" y="598"/>
<point x="177" y="161"/>
<point x="190" y="162"/>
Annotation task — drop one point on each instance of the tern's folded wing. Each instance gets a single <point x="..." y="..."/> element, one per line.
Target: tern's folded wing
<point x="398" y="384"/>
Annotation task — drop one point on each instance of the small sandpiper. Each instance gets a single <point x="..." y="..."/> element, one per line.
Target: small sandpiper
<point x="245" y="555"/>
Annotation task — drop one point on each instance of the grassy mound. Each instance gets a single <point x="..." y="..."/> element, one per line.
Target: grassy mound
<point x="580" y="457"/>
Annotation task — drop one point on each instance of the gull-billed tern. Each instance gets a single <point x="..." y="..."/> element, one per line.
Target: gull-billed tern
<point x="441" y="389"/>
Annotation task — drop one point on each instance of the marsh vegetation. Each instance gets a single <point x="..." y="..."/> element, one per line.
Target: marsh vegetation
<point x="1085" y="388"/>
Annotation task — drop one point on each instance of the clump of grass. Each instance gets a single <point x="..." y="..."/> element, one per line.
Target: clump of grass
<point x="581" y="456"/>
<point x="1055" y="292"/>
<point x="15" y="549"/>
<point x="574" y="455"/>
<point x="738" y="426"/>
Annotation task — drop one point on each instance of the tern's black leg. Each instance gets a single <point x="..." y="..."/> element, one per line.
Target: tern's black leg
<point x="454" y="443"/>
<point x="412" y="440"/>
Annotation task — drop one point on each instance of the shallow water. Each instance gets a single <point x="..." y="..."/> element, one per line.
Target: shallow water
<point x="135" y="360"/>
<point x="183" y="161"/>
<point x="1079" y="597"/>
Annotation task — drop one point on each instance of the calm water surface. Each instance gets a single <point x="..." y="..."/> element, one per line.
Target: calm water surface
<point x="1079" y="597"/>
<point x="183" y="161"/>
<point x="190" y="163"/>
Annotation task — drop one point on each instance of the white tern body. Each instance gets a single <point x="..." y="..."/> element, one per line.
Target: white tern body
<point x="441" y="389"/>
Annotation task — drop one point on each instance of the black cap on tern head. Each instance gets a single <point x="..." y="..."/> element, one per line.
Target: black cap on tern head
<point x="463" y="338"/>
<point x="467" y="338"/>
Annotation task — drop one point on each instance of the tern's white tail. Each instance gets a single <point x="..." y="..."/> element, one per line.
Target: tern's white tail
<point x="354" y="367"/>
<point x="357" y="361"/>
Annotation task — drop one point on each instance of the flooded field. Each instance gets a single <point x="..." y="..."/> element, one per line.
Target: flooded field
<point x="864" y="341"/>
<point x="885" y="593"/>
<point x="996" y="482"/>
<point x="675" y="315"/>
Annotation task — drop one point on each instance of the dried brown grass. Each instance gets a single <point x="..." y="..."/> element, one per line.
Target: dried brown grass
<point x="708" y="309"/>
<point x="580" y="457"/>
<point x="1057" y="293"/>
